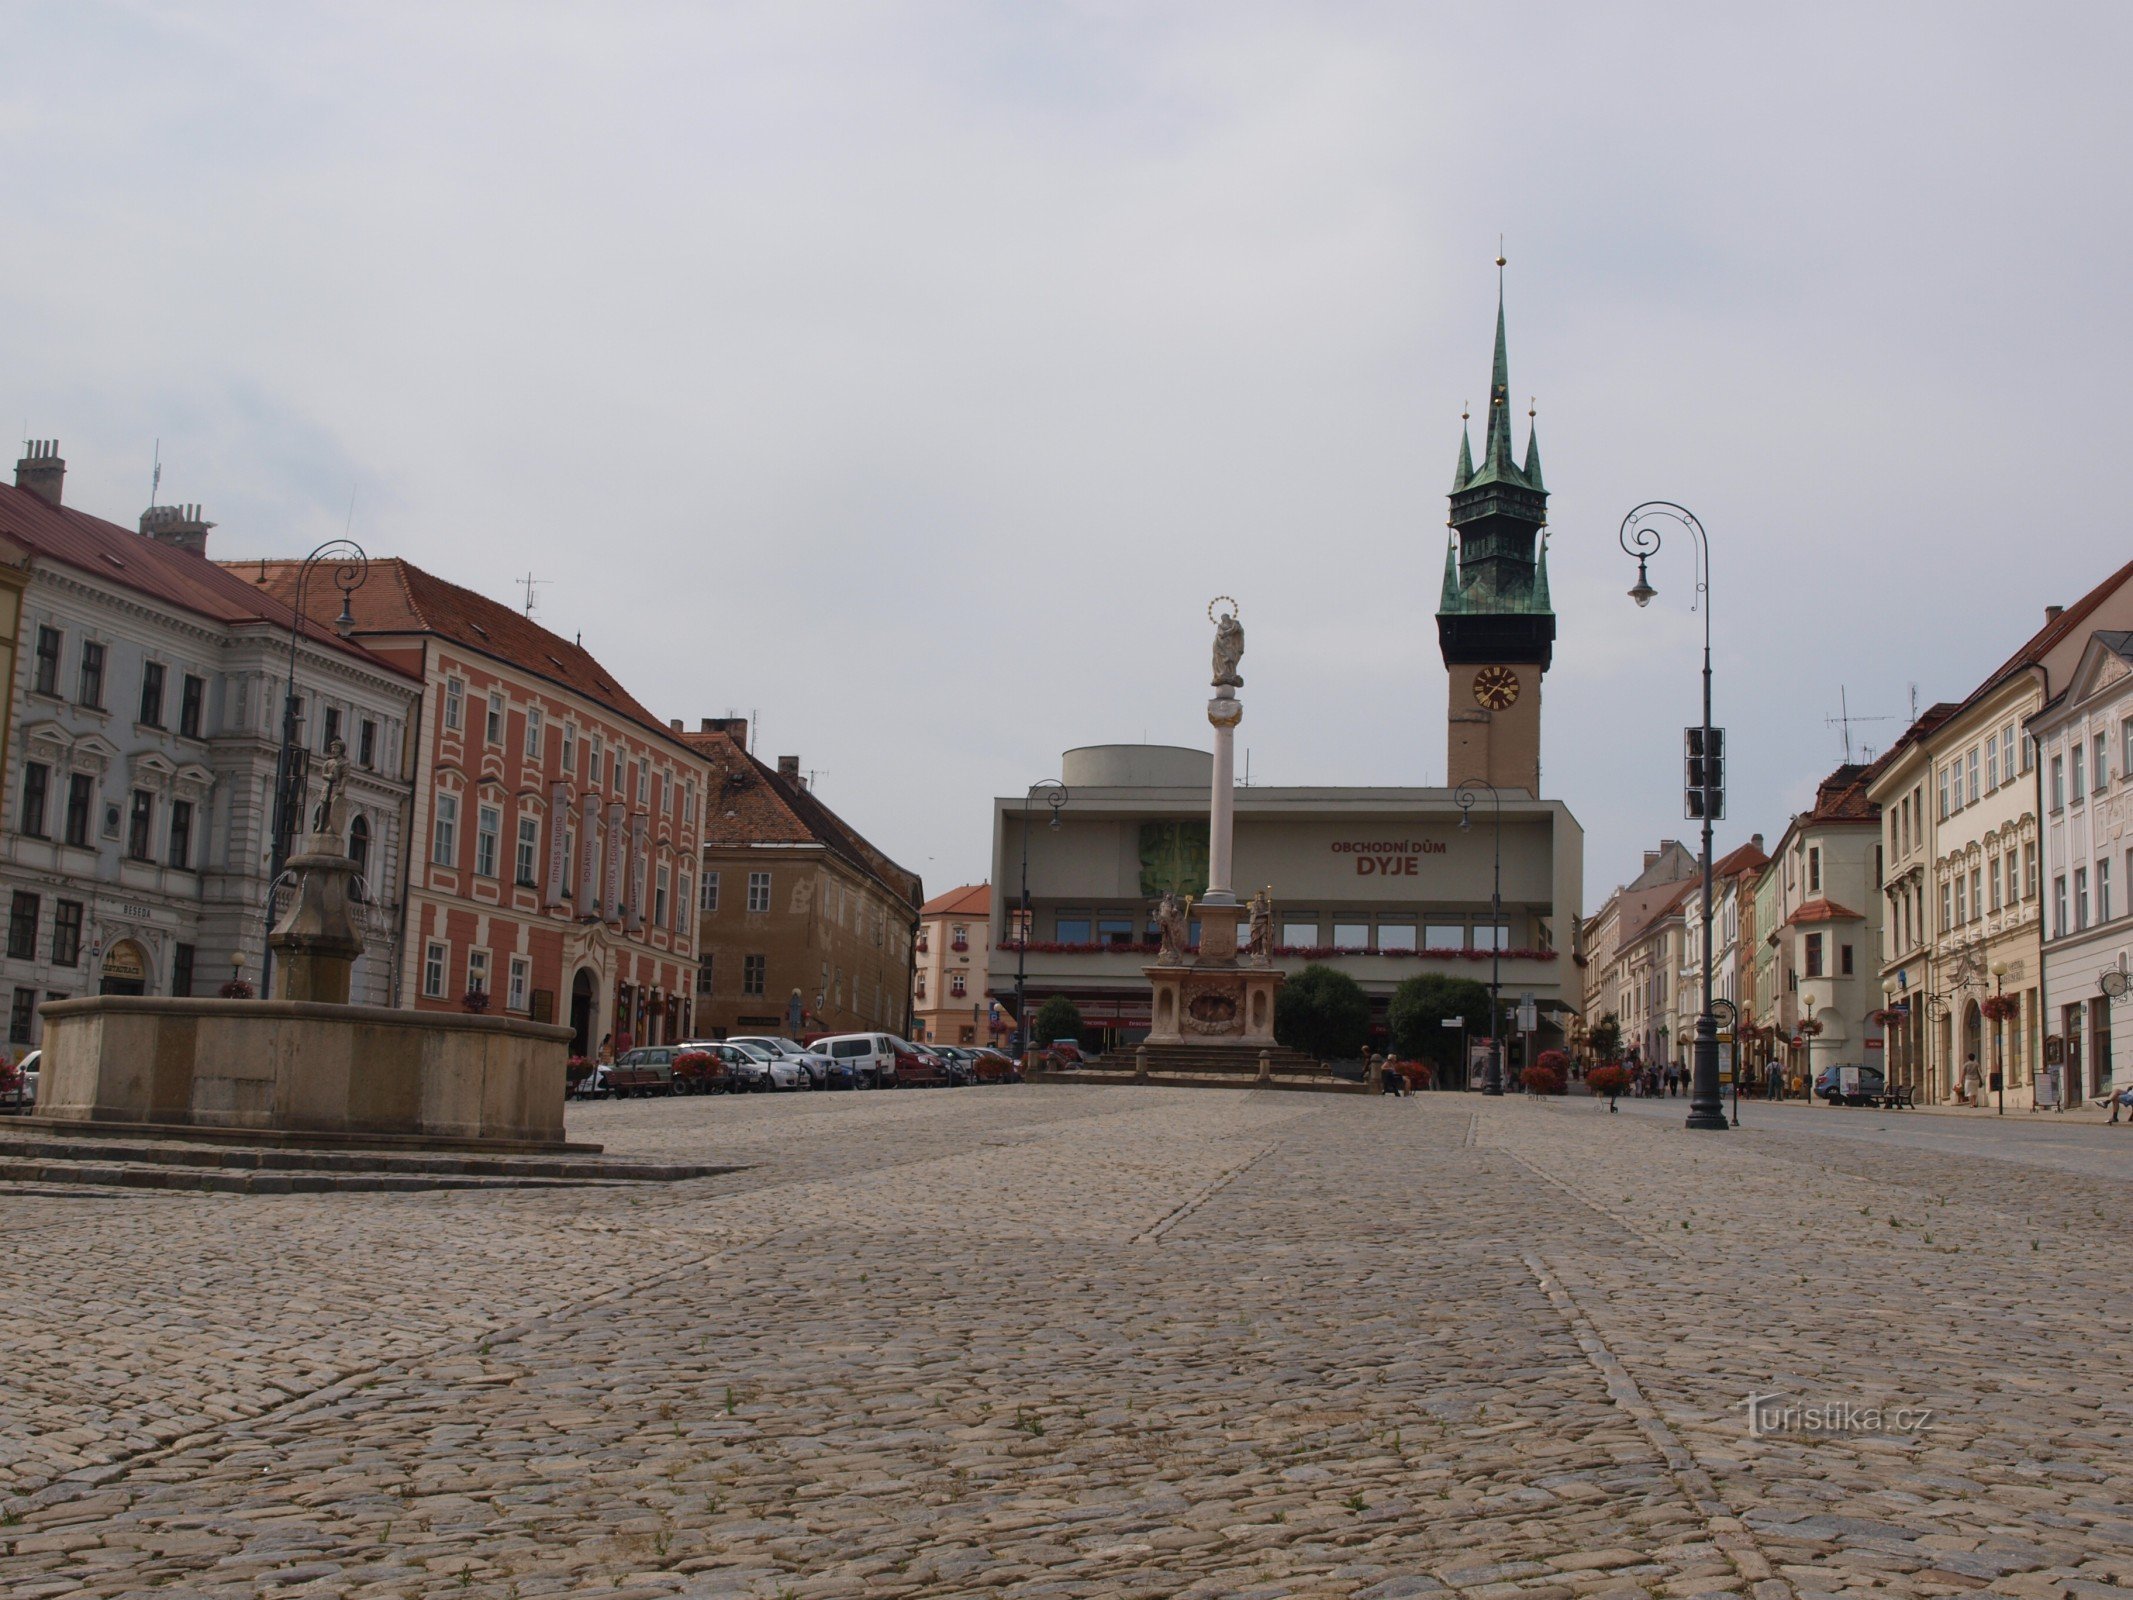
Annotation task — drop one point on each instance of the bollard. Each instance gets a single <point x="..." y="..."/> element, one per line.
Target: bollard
<point x="1266" y="1067"/>
<point x="1140" y="1063"/>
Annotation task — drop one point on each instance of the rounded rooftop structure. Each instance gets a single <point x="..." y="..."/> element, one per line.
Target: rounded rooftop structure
<point x="1136" y="766"/>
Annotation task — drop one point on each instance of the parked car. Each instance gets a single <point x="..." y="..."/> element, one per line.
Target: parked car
<point x="1850" y="1085"/>
<point x="918" y="1067"/>
<point x="18" y="1083"/>
<point x="649" y="1069"/>
<point x="823" y="1072"/>
<point x="747" y="1068"/>
<point x="994" y="1066"/>
<point x="699" y="1069"/>
<point x="959" y="1063"/>
<point x="871" y="1057"/>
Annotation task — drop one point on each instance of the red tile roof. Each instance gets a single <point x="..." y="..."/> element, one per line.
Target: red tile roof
<point x="1841" y="797"/>
<point x="2041" y="643"/>
<point x="1825" y="911"/>
<point x="175" y="577"/>
<point x="1735" y="863"/>
<point x="972" y="900"/>
<point x="751" y="803"/>
<point x="400" y="598"/>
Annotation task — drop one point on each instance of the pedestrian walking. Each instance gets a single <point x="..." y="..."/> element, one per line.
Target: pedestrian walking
<point x="1973" y="1081"/>
<point x="1773" y="1081"/>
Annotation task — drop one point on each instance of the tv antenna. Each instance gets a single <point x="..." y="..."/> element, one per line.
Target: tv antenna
<point x="531" y="584"/>
<point x="1844" y="719"/>
<point x="155" y="475"/>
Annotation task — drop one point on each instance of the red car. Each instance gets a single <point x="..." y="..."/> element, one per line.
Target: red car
<point x="918" y="1068"/>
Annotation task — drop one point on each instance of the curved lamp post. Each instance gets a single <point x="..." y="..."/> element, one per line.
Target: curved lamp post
<point x="1641" y="539"/>
<point x="1054" y="794"/>
<point x="350" y="566"/>
<point x="1464" y="796"/>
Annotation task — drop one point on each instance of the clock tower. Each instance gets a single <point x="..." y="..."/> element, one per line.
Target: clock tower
<point x="1495" y="623"/>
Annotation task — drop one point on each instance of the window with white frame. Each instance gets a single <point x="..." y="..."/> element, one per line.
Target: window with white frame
<point x="1944" y="794"/>
<point x="2102" y="774"/>
<point x="2059" y="906"/>
<point x="455" y="700"/>
<point x="436" y="955"/>
<point x="2081" y="898"/>
<point x="529" y="849"/>
<point x="659" y="896"/>
<point x="444" y="832"/>
<point x="1992" y="765"/>
<point x="683" y="893"/>
<point x="570" y="749"/>
<point x="644" y="782"/>
<point x="2103" y="889"/>
<point x="758" y="891"/>
<point x="707" y="899"/>
<point x="536" y="735"/>
<point x="2078" y="789"/>
<point x="594" y="760"/>
<point x="478" y="971"/>
<point x="520" y="979"/>
<point x="1973" y="777"/>
<point x="488" y="827"/>
<point x="494" y="731"/>
<point x="2058" y="789"/>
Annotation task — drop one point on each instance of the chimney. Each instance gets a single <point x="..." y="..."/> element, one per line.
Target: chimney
<point x="2051" y="613"/>
<point x="674" y="724"/>
<point x="181" y="527"/>
<point x="1757" y="841"/>
<point x="735" y="728"/>
<point x="789" y="770"/>
<point x="1650" y="856"/>
<point x="41" y="471"/>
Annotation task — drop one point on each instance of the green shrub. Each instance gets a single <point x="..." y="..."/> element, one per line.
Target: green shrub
<point x="1324" y="1013"/>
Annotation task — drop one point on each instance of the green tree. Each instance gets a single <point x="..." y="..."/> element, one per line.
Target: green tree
<point x="1606" y="1038"/>
<point x="1324" y="1013"/>
<point x="1419" y="1009"/>
<point x="1057" y="1018"/>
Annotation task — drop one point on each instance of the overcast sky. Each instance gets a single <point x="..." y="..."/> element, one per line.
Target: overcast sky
<point x="912" y="375"/>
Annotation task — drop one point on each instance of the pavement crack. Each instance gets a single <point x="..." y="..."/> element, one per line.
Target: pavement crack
<point x="1728" y="1532"/>
<point x="1207" y="1193"/>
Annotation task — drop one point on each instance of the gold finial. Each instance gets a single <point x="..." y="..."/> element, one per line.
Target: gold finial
<point x="1465" y="407"/>
<point x="1500" y="262"/>
<point x="1531" y="405"/>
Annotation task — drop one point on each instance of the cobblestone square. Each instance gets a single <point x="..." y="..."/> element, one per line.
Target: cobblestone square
<point x="1070" y="1341"/>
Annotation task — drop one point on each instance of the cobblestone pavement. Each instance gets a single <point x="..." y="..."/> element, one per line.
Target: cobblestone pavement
<point x="1060" y="1341"/>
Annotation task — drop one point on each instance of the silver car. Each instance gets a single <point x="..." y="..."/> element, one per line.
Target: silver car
<point x="819" y="1068"/>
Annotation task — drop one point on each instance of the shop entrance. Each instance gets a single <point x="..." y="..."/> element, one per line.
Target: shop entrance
<point x="582" y="990"/>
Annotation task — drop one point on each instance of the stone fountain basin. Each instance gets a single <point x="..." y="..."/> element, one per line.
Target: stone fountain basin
<point x="302" y="1065"/>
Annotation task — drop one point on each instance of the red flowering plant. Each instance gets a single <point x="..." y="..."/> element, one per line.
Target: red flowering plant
<point x="475" y="1000"/>
<point x="1609" y="1080"/>
<point x="2001" y="1007"/>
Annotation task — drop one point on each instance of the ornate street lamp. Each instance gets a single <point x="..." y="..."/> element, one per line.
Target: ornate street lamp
<point x="1640" y="539"/>
<point x="1054" y="794"/>
<point x="1464" y="796"/>
<point x="350" y="567"/>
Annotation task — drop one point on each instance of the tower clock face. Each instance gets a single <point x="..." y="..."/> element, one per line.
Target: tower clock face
<point x="1496" y="688"/>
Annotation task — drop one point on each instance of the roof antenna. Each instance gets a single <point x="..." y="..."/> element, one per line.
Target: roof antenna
<point x="349" y="530"/>
<point x="529" y="583"/>
<point x="155" y="476"/>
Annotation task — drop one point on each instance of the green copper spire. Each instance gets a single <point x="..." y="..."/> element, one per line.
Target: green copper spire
<point x="1496" y="605"/>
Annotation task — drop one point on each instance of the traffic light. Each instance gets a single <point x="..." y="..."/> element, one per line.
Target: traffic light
<point x="1705" y="769"/>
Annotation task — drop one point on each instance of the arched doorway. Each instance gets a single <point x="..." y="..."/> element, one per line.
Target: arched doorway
<point x="1974" y="1045"/>
<point x="125" y="969"/>
<point x="584" y="990"/>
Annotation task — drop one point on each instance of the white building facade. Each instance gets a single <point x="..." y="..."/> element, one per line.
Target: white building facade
<point x="2085" y="746"/>
<point x="134" y="829"/>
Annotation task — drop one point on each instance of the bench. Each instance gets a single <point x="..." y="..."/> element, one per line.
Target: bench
<point x="1900" y="1098"/>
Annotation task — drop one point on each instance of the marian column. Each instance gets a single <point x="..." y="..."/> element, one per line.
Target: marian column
<point x="1208" y="1003"/>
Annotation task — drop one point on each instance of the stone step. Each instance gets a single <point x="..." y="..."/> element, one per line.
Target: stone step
<point x="219" y="1180"/>
<point x="46" y="1156"/>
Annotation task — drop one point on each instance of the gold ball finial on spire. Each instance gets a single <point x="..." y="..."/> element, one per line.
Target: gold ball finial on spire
<point x="1501" y="263"/>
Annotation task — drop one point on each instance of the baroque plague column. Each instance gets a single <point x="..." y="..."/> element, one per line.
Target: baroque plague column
<point x="1208" y="996"/>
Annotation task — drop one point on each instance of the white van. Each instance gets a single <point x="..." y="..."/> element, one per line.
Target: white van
<point x="871" y="1057"/>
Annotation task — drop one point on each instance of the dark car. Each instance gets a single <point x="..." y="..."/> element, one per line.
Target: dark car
<point x="958" y="1063"/>
<point x="917" y="1067"/>
<point x="1847" y="1084"/>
